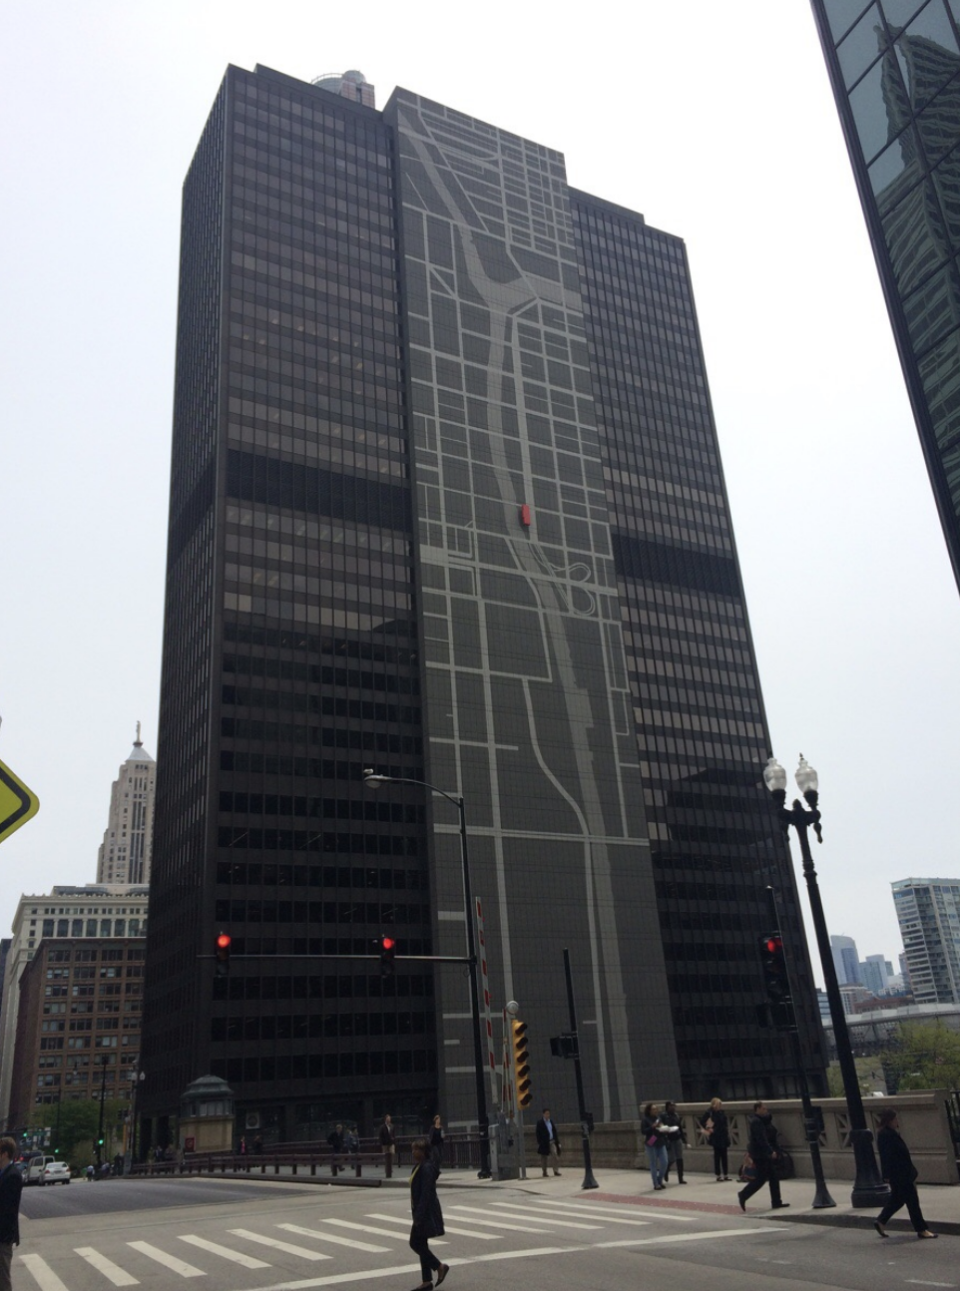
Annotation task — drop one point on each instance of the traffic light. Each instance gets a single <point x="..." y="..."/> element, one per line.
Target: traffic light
<point x="775" y="976"/>
<point x="388" y="953"/>
<point x="521" y="1063"/>
<point x="222" y="953"/>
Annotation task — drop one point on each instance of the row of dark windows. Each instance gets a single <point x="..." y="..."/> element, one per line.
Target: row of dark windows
<point x="303" y="840"/>
<point x="314" y="806"/>
<point x="309" y="768"/>
<point x="288" y="733"/>
<point x="327" y="1066"/>
<point x="292" y="670"/>
<point x="365" y="710"/>
<point x="242" y="874"/>
<point x="334" y="987"/>
<point x="328" y="912"/>
<point x="326" y="947"/>
<point x="299" y="1026"/>
<point x="293" y="639"/>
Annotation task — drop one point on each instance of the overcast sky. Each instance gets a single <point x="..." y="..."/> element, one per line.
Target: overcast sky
<point x="715" y="121"/>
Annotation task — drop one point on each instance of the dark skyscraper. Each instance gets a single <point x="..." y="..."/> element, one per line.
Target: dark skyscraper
<point x="895" y="70"/>
<point x="446" y="503"/>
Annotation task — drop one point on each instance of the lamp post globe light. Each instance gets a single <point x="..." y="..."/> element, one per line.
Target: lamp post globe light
<point x="373" y="780"/>
<point x="869" y="1190"/>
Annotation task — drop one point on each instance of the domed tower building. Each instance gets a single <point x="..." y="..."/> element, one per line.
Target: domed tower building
<point x="126" y="851"/>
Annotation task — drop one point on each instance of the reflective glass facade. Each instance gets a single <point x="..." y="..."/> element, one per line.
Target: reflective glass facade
<point x="895" y="69"/>
<point x="446" y="503"/>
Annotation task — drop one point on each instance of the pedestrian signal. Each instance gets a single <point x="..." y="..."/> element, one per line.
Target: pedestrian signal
<point x="222" y="953"/>
<point x="387" y="947"/>
<point x="521" y="1063"/>
<point x="775" y="976"/>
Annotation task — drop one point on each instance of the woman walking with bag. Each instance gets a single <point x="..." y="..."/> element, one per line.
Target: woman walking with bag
<point x="655" y="1140"/>
<point x="717" y="1133"/>
<point x="427" y="1215"/>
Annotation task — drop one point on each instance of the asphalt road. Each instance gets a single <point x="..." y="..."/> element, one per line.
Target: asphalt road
<point x="109" y="1196"/>
<point x="256" y="1237"/>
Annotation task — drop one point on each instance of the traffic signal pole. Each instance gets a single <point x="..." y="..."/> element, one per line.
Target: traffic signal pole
<point x="811" y="1121"/>
<point x="588" y="1180"/>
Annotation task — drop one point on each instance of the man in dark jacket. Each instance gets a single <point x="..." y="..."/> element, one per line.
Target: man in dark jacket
<point x="11" y="1185"/>
<point x="764" y="1148"/>
<point x="900" y="1173"/>
<point x="548" y="1143"/>
<point x="388" y="1143"/>
<point x="427" y="1215"/>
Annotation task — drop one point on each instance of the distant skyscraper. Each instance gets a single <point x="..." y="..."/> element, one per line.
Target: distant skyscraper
<point x="894" y="66"/>
<point x="446" y="502"/>
<point x="929" y="914"/>
<point x="127" y="848"/>
<point x="875" y="973"/>
<point x="845" y="960"/>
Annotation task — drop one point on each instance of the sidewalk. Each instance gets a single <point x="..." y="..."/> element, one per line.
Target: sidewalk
<point x="941" y="1205"/>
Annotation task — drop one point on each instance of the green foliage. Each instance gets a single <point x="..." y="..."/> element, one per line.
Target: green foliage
<point x="870" y="1076"/>
<point x="924" y="1055"/>
<point x="79" y="1123"/>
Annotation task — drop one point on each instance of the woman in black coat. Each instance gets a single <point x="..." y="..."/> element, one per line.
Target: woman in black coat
<point x="900" y="1173"/>
<point x="717" y="1131"/>
<point x="427" y="1215"/>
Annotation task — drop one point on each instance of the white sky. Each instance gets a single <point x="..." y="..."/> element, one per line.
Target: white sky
<point x="717" y="122"/>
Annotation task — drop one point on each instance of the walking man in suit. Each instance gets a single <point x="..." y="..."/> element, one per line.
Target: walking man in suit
<point x="548" y="1143"/>
<point x="764" y="1148"/>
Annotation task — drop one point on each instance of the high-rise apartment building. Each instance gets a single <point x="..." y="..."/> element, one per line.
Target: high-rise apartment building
<point x="929" y="914"/>
<point x="127" y="847"/>
<point x="78" y="1025"/>
<point x="447" y="503"/>
<point x="895" y="70"/>
<point x="94" y="913"/>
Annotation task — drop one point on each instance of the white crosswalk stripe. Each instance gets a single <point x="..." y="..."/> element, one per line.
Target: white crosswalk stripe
<point x="562" y="1207"/>
<point x="277" y="1245"/>
<point x="458" y="1232"/>
<point x="473" y="1211"/>
<point x="377" y="1232"/>
<point x="168" y="1261"/>
<point x="353" y="1242"/>
<point x="112" y="1272"/>
<point x="42" y="1273"/>
<point x="225" y="1252"/>
<point x="603" y="1219"/>
<point x="541" y="1219"/>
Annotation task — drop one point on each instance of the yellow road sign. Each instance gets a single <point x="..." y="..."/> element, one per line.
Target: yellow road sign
<point x="17" y="802"/>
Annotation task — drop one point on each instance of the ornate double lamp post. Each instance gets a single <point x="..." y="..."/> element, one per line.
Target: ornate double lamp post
<point x="869" y="1190"/>
<point x="371" y="779"/>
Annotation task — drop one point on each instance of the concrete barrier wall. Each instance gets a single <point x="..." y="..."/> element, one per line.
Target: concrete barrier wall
<point x="923" y="1124"/>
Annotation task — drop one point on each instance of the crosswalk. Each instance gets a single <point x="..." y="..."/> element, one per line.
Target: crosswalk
<point x="480" y="1227"/>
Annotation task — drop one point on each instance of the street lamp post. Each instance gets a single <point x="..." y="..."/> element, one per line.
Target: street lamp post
<point x="869" y="1190"/>
<point x="103" y="1095"/>
<point x="136" y="1076"/>
<point x="373" y="780"/>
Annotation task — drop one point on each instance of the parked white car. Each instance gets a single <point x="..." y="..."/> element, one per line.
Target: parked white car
<point x="35" y="1168"/>
<point x="55" y="1172"/>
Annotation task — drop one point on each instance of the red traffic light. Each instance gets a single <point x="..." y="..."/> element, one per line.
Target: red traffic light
<point x="222" y="953"/>
<point x="773" y="945"/>
<point x="388" y="943"/>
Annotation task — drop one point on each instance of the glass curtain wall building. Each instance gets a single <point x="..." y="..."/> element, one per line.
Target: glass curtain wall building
<point x="895" y="70"/>
<point x="421" y="522"/>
